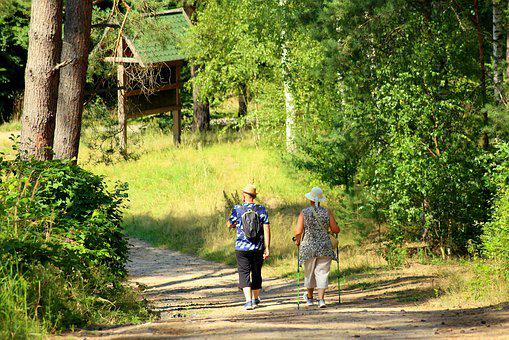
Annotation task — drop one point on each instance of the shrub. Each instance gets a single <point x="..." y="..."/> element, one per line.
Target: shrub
<point x="62" y="244"/>
<point x="496" y="232"/>
<point x="56" y="212"/>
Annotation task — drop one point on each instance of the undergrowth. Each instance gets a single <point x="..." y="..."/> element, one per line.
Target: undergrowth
<point x="62" y="250"/>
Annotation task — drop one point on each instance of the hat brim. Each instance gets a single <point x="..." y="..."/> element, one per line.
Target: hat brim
<point x="313" y="199"/>
<point x="250" y="193"/>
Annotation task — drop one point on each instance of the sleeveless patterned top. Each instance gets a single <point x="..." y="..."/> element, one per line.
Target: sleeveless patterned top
<point x="315" y="240"/>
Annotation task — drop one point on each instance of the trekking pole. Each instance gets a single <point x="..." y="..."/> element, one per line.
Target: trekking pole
<point x="339" y="276"/>
<point x="298" y="277"/>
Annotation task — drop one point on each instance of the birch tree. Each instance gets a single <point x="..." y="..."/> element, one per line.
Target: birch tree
<point x="289" y="100"/>
<point x="78" y="20"/>
<point x="41" y="79"/>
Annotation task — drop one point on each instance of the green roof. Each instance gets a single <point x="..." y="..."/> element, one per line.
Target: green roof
<point x="159" y="40"/>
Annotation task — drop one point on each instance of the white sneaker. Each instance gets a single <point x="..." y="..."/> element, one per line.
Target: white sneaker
<point x="309" y="301"/>
<point x="321" y="304"/>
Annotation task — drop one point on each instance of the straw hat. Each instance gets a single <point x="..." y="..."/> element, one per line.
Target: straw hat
<point x="250" y="189"/>
<point x="316" y="195"/>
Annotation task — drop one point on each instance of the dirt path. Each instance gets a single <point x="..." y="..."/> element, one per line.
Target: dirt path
<point x="198" y="298"/>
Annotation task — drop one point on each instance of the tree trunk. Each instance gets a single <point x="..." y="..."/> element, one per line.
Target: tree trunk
<point x="201" y="108"/>
<point x="242" y="101"/>
<point x="78" y="21"/>
<point x="289" y="101"/>
<point x="480" y="41"/>
<point x="507" y="51"/>
<point x="202" y="117"/>
<point x="41" y="79"/>
<point x="290" y="116"/>
<point x="498" y="51"/>
<point x="121" y="100"/>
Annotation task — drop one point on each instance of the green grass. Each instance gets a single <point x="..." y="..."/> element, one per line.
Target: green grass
<point x="14" y="125"/>
<point x="15" y="319"/>
<point x="7" y="130"/>
<point x="177" y="195"/>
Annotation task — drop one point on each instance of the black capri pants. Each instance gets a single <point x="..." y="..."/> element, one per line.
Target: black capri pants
<point x="249" y="265"/>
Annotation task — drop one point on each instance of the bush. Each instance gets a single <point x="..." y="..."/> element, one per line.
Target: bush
<point x="62" y="242"/>
<point x="496" y="232"/>
<point x="58" y="213"/>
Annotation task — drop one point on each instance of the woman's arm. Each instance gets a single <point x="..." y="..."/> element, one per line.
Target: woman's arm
<point x="334" y="228"/>
<point x="299" y="229"/>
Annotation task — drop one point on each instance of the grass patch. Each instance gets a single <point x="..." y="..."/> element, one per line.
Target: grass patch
<point x="12" y="126"/>
<point x="177" y="195"/>
<point x="7" y="131"/>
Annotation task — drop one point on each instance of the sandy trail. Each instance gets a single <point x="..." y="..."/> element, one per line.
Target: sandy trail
<point x="198" y="299"/>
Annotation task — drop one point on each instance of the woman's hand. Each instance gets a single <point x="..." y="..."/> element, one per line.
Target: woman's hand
<point x="266" y="253"/>
<point x="296" y="240"/>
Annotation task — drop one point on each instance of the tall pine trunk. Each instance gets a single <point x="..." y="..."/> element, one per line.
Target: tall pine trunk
<point x="41" y="79"/>
<point x="78" y="21"/>
<point x="498" y="50"/>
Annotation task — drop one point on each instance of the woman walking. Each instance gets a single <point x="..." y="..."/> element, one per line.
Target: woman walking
<point x="316" y="249"/>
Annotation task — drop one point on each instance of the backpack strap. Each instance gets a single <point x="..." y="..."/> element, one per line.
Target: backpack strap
<point x="319" y="219"/>
<point x="243" y="209"/>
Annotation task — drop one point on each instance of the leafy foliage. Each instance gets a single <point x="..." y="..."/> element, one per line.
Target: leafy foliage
<point x="14" y="18"/>
<point x="61" y="234"/>
<point x="496" y="232"/>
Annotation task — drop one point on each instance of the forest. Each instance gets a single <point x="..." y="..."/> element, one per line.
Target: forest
<point x="399" y="109"/>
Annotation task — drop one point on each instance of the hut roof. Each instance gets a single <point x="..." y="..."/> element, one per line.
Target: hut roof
<point x="160" y="42"/>
<point x="156" y="42"/>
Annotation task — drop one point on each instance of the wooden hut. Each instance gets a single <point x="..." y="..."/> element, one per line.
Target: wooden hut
<point x="148" y="71"/>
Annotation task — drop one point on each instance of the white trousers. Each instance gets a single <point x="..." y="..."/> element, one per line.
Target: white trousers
<point x="316" y="271"/>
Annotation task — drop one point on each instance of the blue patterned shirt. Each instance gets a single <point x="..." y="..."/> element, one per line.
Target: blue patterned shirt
<point x="242" y="243"/>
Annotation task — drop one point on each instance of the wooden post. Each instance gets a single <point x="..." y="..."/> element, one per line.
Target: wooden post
<point x="179" y="67"/>
<point x="177" y="114"/>
<point x="121" y="82"/>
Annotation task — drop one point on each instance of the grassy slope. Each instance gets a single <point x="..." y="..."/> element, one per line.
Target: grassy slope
<point x="177" y="196"/>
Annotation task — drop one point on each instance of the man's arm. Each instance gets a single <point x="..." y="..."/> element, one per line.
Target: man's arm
<point x="266" y="240"/>
<point x="232" y="221"/>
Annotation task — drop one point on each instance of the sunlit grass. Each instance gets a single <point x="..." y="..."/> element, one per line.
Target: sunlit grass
<point x="8" y="131"/>
<point x="177" y="200"/>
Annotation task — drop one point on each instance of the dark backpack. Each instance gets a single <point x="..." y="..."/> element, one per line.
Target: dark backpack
<point x="251" y="224"/>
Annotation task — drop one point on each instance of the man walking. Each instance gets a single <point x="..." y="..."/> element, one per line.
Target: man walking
<point x="252" y="245"/>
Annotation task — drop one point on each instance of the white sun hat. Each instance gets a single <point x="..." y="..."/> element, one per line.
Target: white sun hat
<point x="316" y="195"/>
